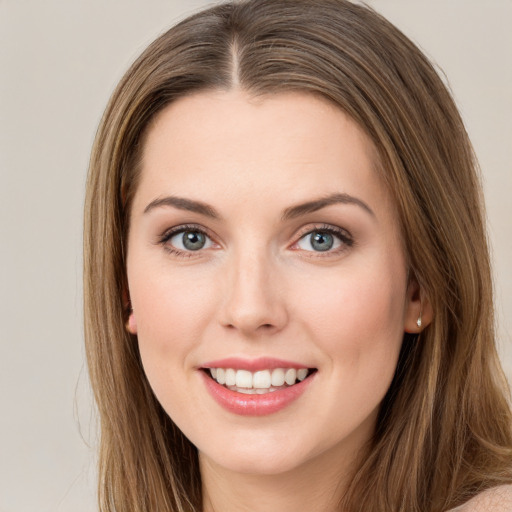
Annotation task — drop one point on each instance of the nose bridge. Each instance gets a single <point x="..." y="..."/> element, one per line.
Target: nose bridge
<point x="253" y="300"/>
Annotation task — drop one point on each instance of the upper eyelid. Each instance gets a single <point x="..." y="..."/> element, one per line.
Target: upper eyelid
<point x="175" y="230"/>
<point x="323" y="227"/>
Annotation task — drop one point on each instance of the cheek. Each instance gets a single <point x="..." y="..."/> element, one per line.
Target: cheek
<point x="356" y="320"/>
<point x="172" y="310"/>
<point x="171" y="306"/>
<point x="357" y="317"/>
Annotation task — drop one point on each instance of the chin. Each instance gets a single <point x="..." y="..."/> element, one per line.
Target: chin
<point x="255" y="464"/>
<point x="263" y="456"/>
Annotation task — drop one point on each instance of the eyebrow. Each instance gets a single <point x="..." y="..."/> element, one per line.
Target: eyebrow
<point x="318" y="204"/>
<point x="183" y="204"/>
<point x="293" y="212"/>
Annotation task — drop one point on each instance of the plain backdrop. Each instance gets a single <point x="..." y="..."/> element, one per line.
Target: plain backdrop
<point x="59" y="62"/>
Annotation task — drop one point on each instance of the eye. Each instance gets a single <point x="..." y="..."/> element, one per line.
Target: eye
<point x="324" y="240"/>
<point x="187" y="240"/>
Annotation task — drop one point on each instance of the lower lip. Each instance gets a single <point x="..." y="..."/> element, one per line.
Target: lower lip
<point x="255" y="405"/>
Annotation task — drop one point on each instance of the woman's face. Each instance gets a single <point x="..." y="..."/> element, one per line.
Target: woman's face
<point x="263" y="245"/>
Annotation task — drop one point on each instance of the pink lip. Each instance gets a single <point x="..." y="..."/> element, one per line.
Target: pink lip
<point x="253" y="365"/>
<point x="254" y="405"/>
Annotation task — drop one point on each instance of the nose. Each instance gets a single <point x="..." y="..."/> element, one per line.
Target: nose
<point x="254" y="301"/>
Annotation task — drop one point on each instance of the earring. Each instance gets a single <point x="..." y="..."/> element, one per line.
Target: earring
<point x="418" y="322"/>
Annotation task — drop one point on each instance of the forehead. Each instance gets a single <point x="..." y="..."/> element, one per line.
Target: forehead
<point x="217" y="145"/>
<point x="219" y="116"/>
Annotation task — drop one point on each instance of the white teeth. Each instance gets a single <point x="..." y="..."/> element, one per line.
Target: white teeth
<point x="290" y="376"/>
<point x="221" y="376"/>
<point x="261" y="379"/>
<point x="246" y="391"/>
<point x="243" y="379"/>
<point x="278" y="377"/>
<point x="302" y="374"/>
<point x="230" y="377"/>
<point x="252" y="391"/>
<point x="260" y="382"/>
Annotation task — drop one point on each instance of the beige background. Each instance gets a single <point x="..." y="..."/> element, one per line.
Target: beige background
<point x="59" y="61"/>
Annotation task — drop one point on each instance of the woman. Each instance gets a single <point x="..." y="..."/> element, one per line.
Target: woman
<point x="287" y="290"/>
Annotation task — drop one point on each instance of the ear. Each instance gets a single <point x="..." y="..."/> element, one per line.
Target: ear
<point x="418" y="310"/>
<point x="131" y="323"/>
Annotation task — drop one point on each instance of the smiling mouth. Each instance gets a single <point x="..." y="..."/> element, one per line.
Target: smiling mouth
<point x="260" y="382"/>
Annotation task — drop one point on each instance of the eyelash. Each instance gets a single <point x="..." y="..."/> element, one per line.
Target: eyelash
<point x="176" y="231"/>
<point x="341" y="234"/>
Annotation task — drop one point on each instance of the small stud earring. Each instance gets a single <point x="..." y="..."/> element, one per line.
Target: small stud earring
<point x="418" y="322"/>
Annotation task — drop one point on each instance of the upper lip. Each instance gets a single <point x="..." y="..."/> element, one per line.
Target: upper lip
<point x="253" y="365"/>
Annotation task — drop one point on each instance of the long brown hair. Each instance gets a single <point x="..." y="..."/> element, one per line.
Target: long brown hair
<point x="444" y="430"/>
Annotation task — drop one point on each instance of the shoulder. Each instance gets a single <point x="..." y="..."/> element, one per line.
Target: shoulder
<point x="497" y="499"/>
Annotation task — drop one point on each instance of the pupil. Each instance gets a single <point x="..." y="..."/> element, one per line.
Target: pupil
<point x="193" y="240"/>
<point x="322" y="241"/>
